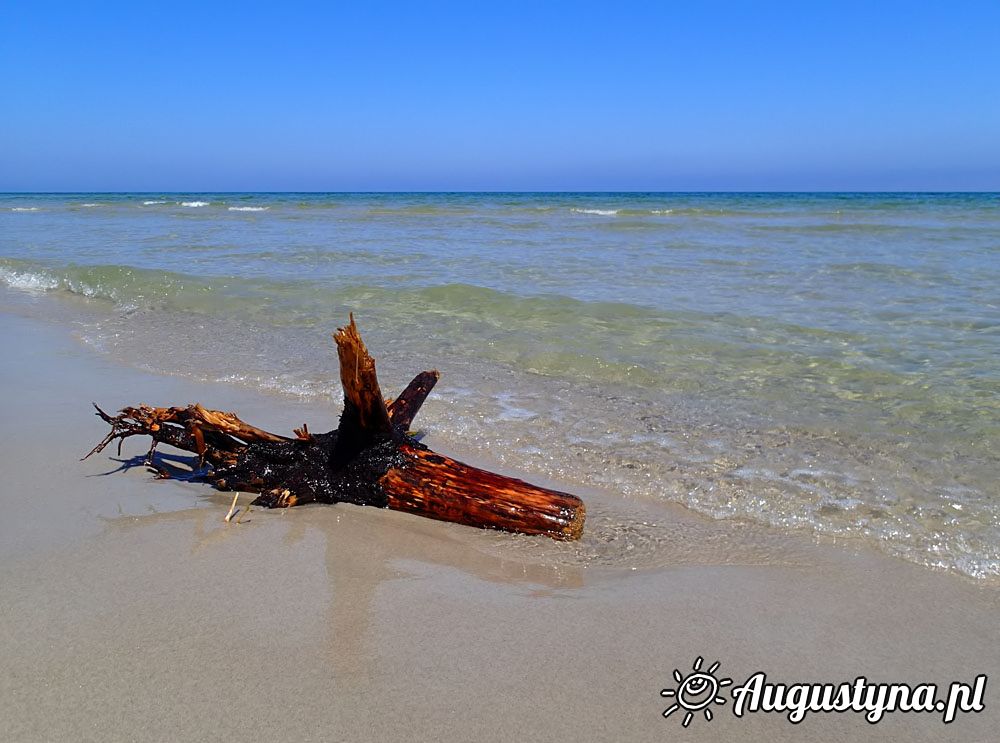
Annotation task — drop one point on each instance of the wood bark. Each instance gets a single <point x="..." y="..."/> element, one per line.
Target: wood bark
<point x="370" y="459"/>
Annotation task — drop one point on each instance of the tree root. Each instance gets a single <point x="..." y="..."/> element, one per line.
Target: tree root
<point x="370" y="459"/>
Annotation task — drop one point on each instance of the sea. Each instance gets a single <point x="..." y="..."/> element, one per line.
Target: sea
<point x="823" y="363"/>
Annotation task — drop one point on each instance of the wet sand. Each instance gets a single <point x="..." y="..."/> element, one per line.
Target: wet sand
<point x="131" y="611"/>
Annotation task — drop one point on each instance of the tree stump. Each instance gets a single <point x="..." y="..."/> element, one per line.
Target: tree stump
<point x="369" y="460"/>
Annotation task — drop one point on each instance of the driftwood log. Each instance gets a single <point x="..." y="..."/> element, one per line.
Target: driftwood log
<point x="369" y="460"/>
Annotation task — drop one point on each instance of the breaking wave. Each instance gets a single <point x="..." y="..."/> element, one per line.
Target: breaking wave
<point x="600" y="212"/>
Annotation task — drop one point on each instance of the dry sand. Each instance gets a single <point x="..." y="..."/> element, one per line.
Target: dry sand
<point x="131" y="612"/>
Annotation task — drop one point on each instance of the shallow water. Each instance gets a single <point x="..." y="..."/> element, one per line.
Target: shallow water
<point x="825" y="362"/>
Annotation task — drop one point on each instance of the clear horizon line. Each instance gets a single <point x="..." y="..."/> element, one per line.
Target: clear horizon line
<point x="499" y="192"/>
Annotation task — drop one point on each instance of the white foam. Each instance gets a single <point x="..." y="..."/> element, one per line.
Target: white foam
<point x="601" y="212"/>
<point x="24" y="209"/>
<point x="90" y="204"/>
<point x="249" y="208"/>
<point x="511" y="412"/>
<point x="662" y="211"/>
<point x="283" y="383"/>
<point x="27" y="281"/>
<point x="151" y="203"/>
<point x="194" y="203"/>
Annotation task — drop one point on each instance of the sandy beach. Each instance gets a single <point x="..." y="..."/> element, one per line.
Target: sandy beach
<point x="687" y="328"/>
<point x="131" y="611"/>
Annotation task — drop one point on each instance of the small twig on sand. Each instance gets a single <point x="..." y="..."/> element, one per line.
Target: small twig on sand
<point x="232" y="508"/>
<point x="244" y="512"/>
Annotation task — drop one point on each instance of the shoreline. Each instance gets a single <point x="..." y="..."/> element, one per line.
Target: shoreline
<point x="480" y="440"/>
<point x="742" y="366"/>
<point x="133" y="611"/>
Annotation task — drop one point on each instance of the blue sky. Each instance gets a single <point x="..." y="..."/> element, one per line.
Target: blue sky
<point x="500" y="96"/>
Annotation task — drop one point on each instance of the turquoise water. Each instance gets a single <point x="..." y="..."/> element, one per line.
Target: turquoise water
<point x="827" y="362"/>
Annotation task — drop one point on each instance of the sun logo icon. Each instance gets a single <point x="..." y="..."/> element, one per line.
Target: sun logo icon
<point x="696" y="692"/>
